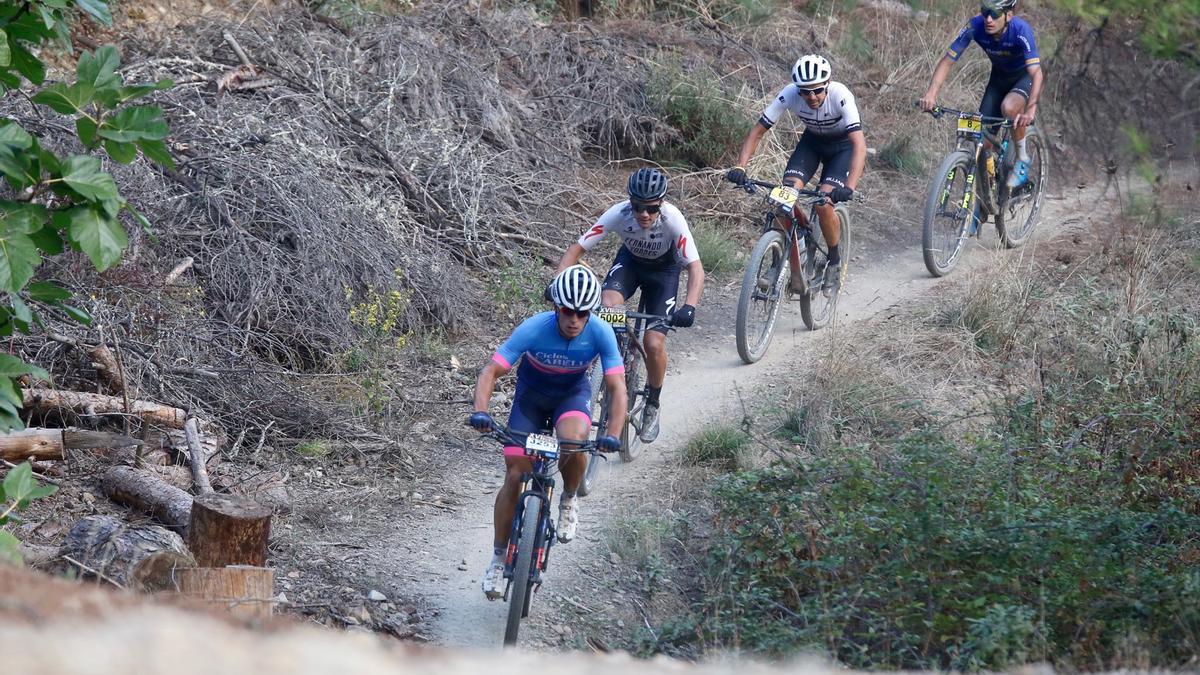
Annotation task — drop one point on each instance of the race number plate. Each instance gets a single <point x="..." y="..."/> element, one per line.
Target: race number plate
<point x="614" y="315"/>
<point x="784" y="196"/>
<point x="540" y="444"/>
<point x="969" y="125"/>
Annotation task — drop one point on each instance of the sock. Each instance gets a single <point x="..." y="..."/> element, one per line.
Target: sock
<point x="1022" y="153"/>
<point x="652" y="395"/>
<point x="834" y="256"/>
<point x="566" y="496"/>
<point x="498" y="554"/>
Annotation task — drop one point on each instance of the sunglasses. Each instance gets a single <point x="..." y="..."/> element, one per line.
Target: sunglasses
<point x="990" y="13"/>
<point x="645" y="208"/>
<point x="812" y="92"/>
<point x="579" y="313"/>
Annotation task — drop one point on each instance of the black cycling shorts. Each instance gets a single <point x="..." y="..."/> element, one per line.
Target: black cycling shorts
<point x="659" y="283"/>
<point x="1000" y="85"/>
<point x="834" y="155"/>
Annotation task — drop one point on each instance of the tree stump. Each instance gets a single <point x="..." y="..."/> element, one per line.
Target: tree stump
<point x="228" y="530"/>
<point x="243" y="590"/>
<point x="134" y="556"/>
<point x="147" y="492"/>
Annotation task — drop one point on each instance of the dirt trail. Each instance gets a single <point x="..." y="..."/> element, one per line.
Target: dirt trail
<point x="701" y="387"/>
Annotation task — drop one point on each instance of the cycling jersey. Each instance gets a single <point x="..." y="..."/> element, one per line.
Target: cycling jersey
<point x="552" y="364"/>
<point x="667" y="242"/>
<point x="836" y="117"/>
<point x="1012" y="51"/>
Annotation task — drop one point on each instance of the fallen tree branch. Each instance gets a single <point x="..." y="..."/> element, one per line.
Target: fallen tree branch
<point x="199" y="458"/>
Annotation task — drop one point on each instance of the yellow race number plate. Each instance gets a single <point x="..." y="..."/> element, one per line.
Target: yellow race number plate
<point x="969" y="125"/>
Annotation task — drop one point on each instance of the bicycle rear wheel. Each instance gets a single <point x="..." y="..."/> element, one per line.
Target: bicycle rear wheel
<point x="635" y="376"/>
<point x="947" y="217"/>
<point x="522" y="587"/>
<point x="1018" y="216"/>
<point x="816" y="308"/>
<point x="764" y="287"/>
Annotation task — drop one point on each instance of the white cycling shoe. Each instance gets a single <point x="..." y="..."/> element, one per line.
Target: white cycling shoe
<point x="568" y="519"/>
<point x="493" y="581"/>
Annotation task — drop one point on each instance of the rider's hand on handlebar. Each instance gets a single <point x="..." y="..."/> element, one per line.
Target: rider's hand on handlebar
<point x="927" y="102"/>
<point x="736" y="175"/>
<point x="684" y="317"/>
<point x="608" y="443"/>
<point x="481" y="422"/>
<point x="841" y="194"/>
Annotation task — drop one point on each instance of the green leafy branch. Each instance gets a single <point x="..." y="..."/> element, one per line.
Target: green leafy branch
<point x="63" y="200"/>
<point x="17" y="491"/>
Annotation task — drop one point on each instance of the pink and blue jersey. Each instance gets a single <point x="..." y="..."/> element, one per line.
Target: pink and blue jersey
<point x="552" y="364"/>
<point x="1011" y="52"/>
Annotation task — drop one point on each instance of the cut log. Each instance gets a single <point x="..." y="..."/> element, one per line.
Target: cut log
<point x="146" y="492"/>
<point x="173" y="474"/>
<point x="228" y="530"/>
<point x="99" y="404"/>
<point x="145" y="557"/>
<point x="38" y="444"/>
<point x="43" y="444"/>
<point x="243" y="590"/>
<point x="108" y="368"/>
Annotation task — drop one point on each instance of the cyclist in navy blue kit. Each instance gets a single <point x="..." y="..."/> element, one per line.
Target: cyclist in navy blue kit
<point x="1015" y="84"/>
<point x="555" y="349"/>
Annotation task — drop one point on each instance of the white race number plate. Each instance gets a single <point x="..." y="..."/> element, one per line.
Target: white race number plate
<point x="540" y="444"/>
<point x="613" y="315"/>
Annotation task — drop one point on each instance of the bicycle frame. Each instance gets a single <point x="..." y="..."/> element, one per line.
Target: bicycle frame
<point x="971" y="135"/>
<point x="800" y="230"/>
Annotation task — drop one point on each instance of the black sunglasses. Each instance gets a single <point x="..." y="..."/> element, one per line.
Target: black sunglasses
<point x="645" y="208"/>
<point x="812" y="92"/>
<point x="579" y="313"/>
<point x="992" y="13"/>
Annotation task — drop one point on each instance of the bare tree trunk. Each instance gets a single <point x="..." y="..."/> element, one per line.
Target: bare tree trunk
<point x="43" y="444"/>
<point x="148" y="493"/>
<point x="83" y="403"/>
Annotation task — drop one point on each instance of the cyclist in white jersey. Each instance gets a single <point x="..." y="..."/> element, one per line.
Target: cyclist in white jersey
<point x="656" y="246"/>
<point x="832" y="137"/>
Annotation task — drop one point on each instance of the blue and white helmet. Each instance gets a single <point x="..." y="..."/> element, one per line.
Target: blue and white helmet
<point x="576" y="288"/>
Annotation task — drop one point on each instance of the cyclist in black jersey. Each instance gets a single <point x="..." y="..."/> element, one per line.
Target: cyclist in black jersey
<point x="656" y="245"/>
<point x="832" y="137"/>
<point x="1015" y="84"/>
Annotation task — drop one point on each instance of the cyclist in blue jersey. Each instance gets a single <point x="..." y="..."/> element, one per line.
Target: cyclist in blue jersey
<point x="555" y="349"/>
<point x="1015" y="84"/>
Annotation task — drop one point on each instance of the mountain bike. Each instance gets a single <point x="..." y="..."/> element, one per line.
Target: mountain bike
<point x="972" y="183"/>
<point x="533" y="531"/>
<point x="630" y="329"/>
<point x="797" y="244"/>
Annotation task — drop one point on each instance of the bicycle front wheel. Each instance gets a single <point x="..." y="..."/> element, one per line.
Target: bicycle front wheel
<point x="599" y="424"/>
<point x="818" y="307"/>
<point x="948" y="213"/>
<point x="764" y="286"/>
<point x="1020" y="206"/>
<point x="635" y="377"/>
<point x="522" y="581"/>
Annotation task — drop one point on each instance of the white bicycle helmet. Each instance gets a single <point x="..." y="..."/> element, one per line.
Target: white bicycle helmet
<point x="811" y="69"/>
<point x="576" y="288"/>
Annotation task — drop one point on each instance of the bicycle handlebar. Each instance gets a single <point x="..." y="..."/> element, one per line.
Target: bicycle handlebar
<point x="505" y="436"/>
<point x="751" y="185"/>
<point x="938" y="111"/>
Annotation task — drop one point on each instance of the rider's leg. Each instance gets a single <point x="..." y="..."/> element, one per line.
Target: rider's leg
<point x="656" y="359"/>
<point x="573" y="425"/>
<point x="1013" y="105"/>
<point x="516" y="465"/>
<point x="621" y="280"/>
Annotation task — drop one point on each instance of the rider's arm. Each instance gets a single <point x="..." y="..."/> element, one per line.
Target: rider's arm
<point x="572" y="255"/>
<point x="695" y="284"/>
<point x="486" y="384"/>
<point x="1035" y="92"/>
<point x="750" y="145"/>
<point x="858" y="160"/>
<point x="615" y="382"/>
<point x="929" y="100"/>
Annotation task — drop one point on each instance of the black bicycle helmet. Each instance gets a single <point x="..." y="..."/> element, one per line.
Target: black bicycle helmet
<point x="647" y="185"/>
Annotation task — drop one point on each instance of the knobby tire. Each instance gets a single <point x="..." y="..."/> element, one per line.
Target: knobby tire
<point x="753" y="335"/>
<point x="1019" y="233"/>
<point x="816" y="309"/>
<point x="939" y="259"/>
<point x="631" y="445"/>
<point x="519" y="597"/>
<point x="600" y="407"/>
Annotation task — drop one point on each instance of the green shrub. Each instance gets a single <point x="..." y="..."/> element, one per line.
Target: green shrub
<point x="900" y="155"/>
<point x="691" y="100"/>
<point x="18" y="489"/>
<point x="720" y="447"/>
<point x="717" y="249"/>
